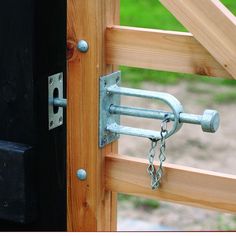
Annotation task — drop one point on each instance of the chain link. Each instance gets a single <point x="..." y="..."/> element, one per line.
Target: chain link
<point x="156" y="175"/>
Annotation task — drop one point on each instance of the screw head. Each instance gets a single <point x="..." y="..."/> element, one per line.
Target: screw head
<point x="81" y="174"/>
<point x="60" y="120"/>
<point x="51" y="81"/>
<point x="60" y="77"/>
<point x="83" y="46"/>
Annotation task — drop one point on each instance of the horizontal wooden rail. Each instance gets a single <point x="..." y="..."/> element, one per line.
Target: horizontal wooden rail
<point x="160" y="50"/>
<point x="180" y="184"/>
<point x="212" y="24"/>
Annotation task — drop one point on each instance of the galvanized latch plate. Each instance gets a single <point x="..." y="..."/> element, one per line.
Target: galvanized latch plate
<point x="106" y="100"/>
<point x="110" y="111"/>
<point x="55" y="90"/>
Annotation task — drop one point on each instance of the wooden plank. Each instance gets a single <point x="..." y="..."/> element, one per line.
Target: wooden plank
<point x="160" y="50"/>
<point x="180" y="184"/>
<point x="90" y="207"/>
<point x="212" y="24"/>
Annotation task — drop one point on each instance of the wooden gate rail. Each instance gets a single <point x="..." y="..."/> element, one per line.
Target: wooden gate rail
<point x="184" y="185"/>
<point x="212" y="24"/>
<point x="160" y="50"/>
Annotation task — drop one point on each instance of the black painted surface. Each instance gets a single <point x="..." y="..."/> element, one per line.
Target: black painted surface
<point x="32" y="47"/>
<point x="17" y="193"/>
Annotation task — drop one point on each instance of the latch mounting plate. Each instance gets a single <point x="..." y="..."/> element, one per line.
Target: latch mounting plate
<point x="106" y="100"/>
<point x="55" y="90"/>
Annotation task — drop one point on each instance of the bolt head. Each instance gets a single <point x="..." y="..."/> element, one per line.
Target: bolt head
<point x="210" y="121"/>
<point x="83" y="46"/>
<point x="81" y="174"/>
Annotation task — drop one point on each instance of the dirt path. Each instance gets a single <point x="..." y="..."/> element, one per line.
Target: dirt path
<point x="189" y="147"/>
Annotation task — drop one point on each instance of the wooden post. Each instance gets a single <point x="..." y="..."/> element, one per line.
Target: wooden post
<point x="90" y="206"/>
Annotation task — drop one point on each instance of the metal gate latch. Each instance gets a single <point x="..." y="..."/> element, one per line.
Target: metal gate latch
<point x="56" y="102"/>
<point x="110" y="111"/>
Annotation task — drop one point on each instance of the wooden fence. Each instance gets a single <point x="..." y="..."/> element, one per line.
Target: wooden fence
<point x="210" y="49"/>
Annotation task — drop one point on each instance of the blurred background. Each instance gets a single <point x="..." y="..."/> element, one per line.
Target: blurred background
<point x="190" y="146"/>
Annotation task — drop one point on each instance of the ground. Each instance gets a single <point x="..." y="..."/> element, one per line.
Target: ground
<point x="189" y="147"/>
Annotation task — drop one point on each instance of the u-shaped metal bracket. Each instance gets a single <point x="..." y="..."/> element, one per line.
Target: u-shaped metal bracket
<point x="110" y="111"/>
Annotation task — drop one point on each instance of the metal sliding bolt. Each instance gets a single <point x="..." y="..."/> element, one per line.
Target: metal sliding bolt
<point x="83" y="46"/>
<point x="81" y="174"/>
<point x="209" y="121"/>
<point x="60" y="102"/>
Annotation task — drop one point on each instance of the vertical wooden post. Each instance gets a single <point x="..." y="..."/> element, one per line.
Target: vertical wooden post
<point x="90" y="206"/>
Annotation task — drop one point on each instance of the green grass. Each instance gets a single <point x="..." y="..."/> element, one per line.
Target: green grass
<point x="138" y="202"/>
<point x="151" y="14"/>
<point x="223" y="225"/>
<point x="135" y="76"/>
<point x="148" y="14"/>
<point x="222" y="98"/>
<point x="192" y="88"/>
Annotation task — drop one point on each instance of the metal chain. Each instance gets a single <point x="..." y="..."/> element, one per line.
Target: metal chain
<point x="156" y="175"/>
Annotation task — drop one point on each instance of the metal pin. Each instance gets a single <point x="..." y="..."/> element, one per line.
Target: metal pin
<point x="59" y="102"/>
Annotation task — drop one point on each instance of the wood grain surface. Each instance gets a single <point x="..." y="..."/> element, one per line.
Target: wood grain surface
<point x="90" y="207"/>
<point x="160" y="50"/>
